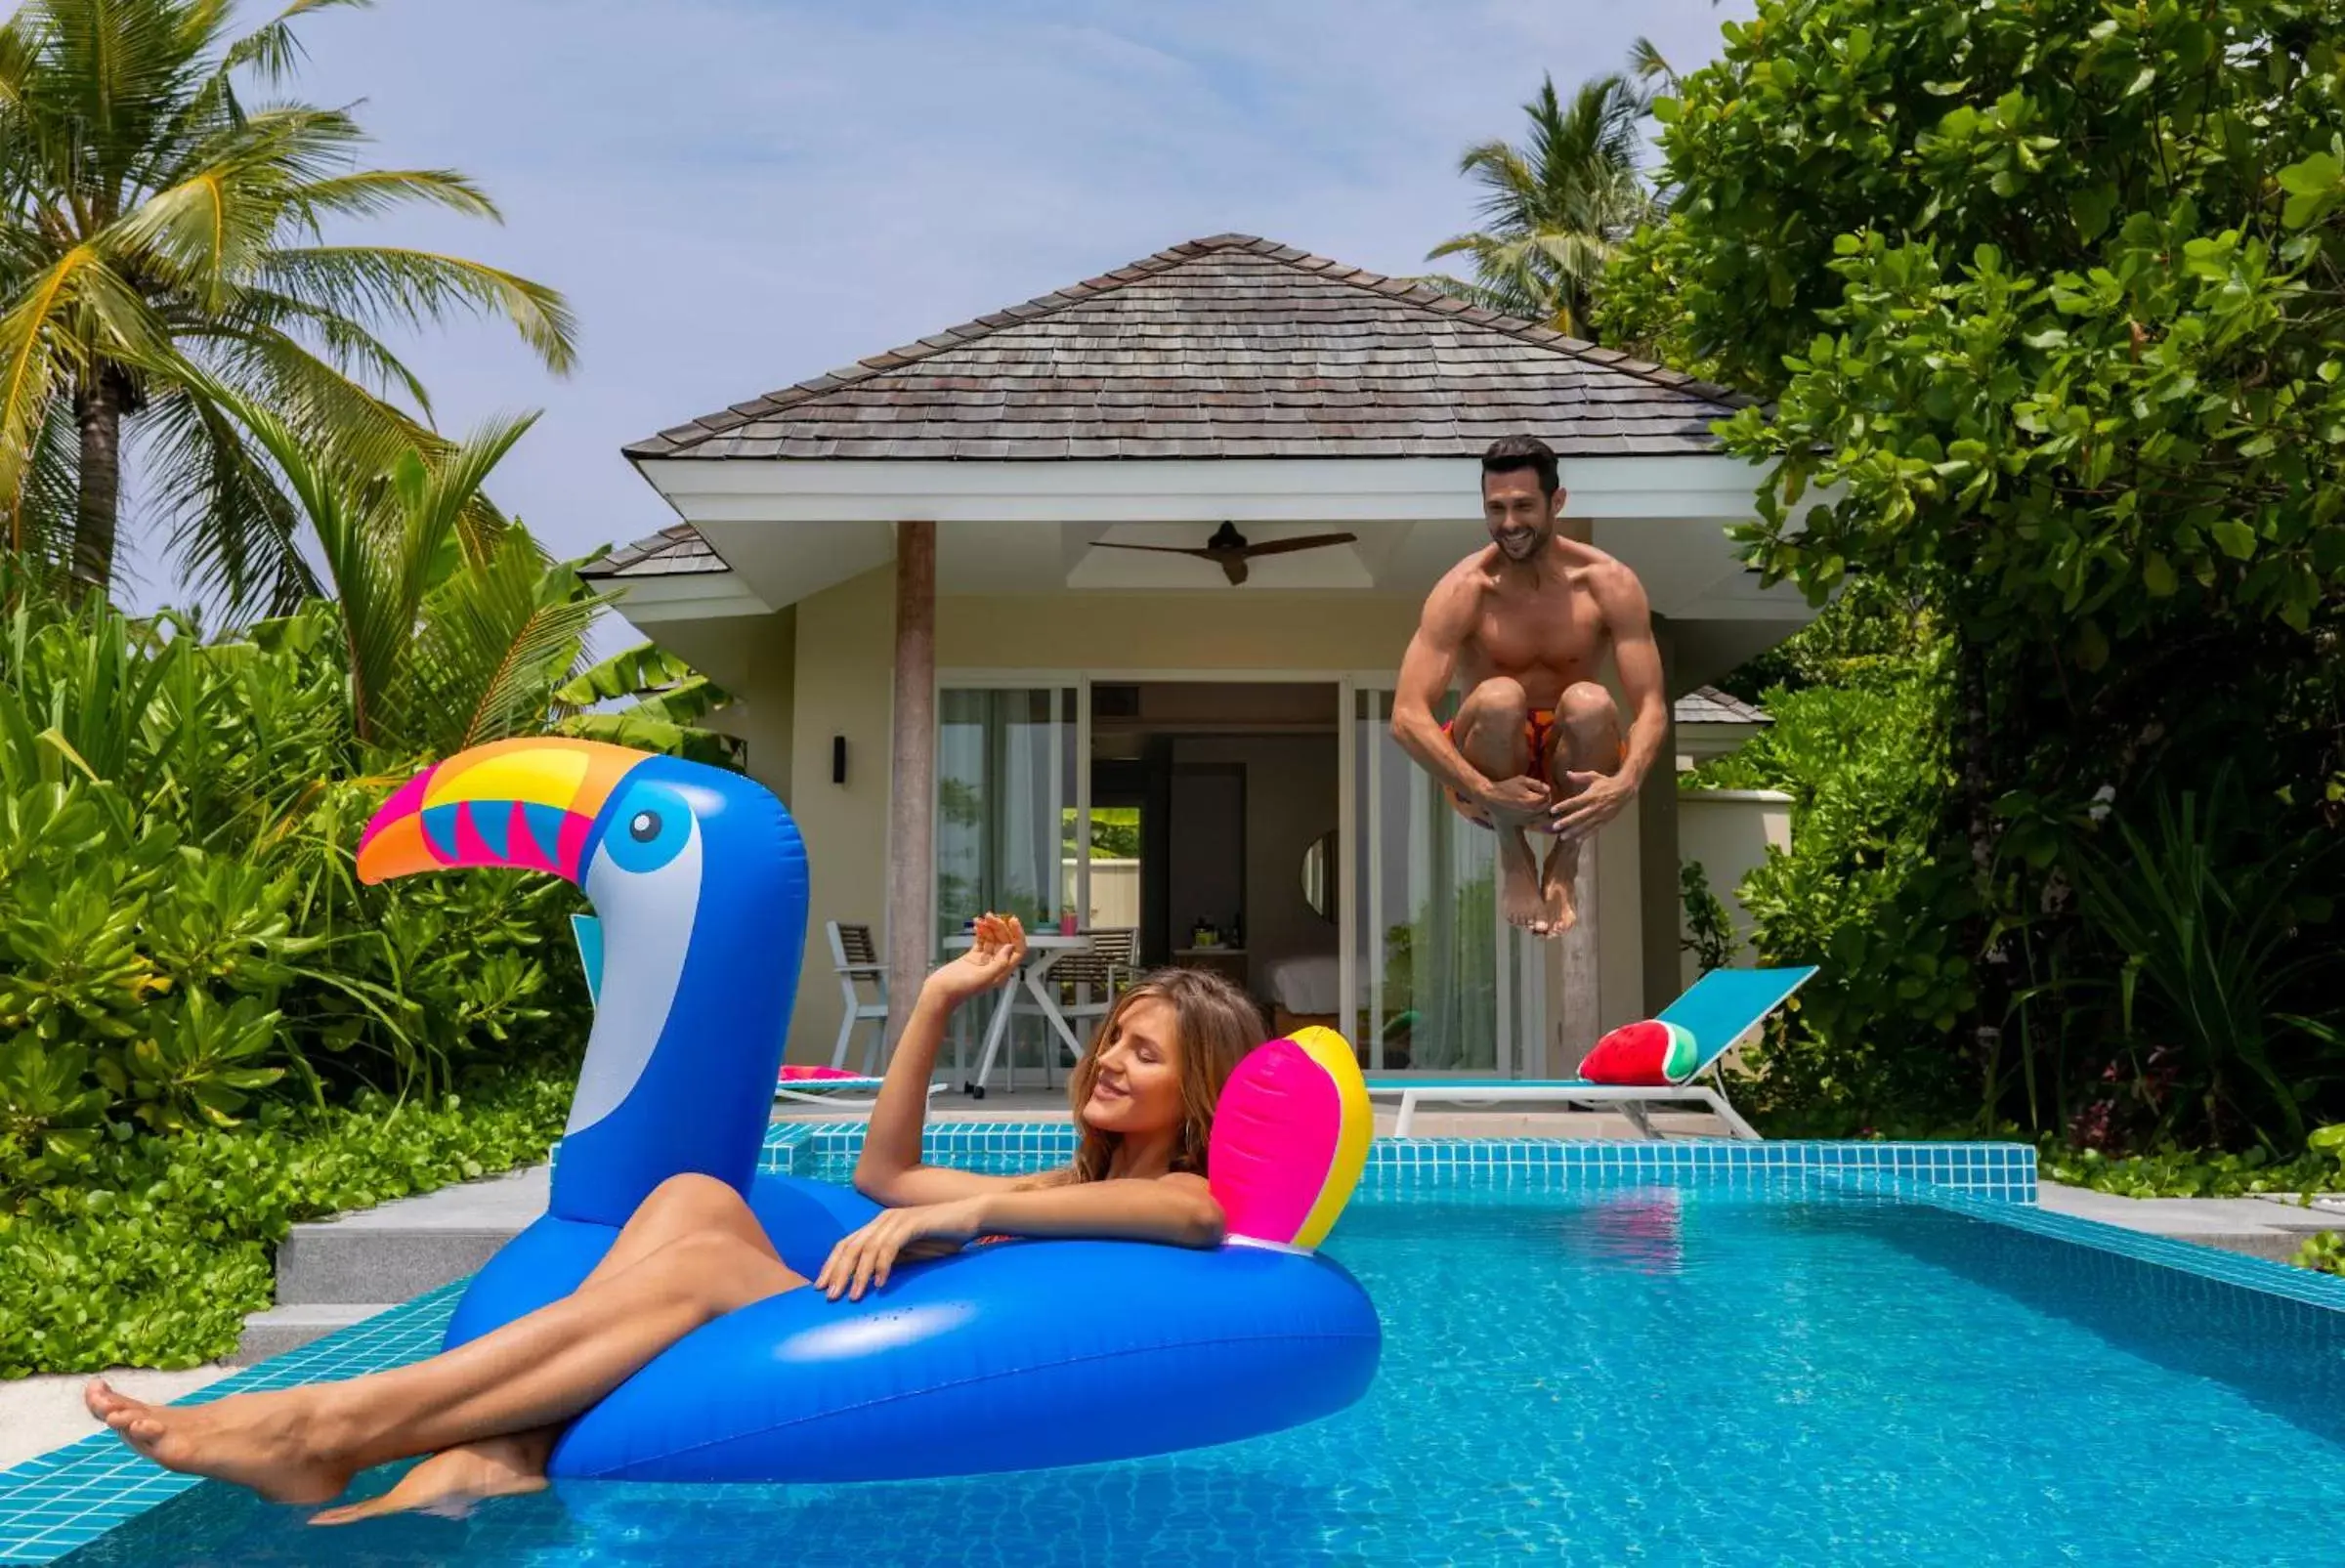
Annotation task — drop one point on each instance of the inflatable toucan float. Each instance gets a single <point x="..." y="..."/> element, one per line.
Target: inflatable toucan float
<point x="1013" y="1356"/>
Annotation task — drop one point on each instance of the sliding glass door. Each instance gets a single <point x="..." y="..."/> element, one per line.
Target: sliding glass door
<point x="1433" y="990"/>
<point x="1008" y="775"/>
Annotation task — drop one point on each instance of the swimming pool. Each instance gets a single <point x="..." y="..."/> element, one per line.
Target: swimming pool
<point x="1700" y="1356"/>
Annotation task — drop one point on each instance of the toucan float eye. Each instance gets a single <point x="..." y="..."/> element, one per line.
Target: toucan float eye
<point x="652" y="826"/>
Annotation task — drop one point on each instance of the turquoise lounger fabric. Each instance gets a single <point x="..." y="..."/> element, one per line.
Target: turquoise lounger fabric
<point x="1718" y="1008"/>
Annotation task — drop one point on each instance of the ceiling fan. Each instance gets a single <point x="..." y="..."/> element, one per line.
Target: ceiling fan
<point x="1228" y="549"/>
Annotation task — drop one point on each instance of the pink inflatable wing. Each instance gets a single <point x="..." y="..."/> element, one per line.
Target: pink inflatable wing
<point x="791" y="1072"/>
<point x="1290" y="1140"/>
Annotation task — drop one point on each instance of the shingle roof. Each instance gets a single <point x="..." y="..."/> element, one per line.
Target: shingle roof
<point x="1707" y="704"/>
<point x="673" y="552"/>
<point x="1229" y="347"/>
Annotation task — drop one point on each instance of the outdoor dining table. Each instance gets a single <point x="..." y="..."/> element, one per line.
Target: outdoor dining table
<point x="1043" y="949"/>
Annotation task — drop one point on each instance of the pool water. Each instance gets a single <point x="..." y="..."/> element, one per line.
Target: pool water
<point x="1640" y="1376"/>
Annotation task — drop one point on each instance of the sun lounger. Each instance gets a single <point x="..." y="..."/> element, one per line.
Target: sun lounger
<point x="1721" y="1008"/>
<point x="841" y="1092"/>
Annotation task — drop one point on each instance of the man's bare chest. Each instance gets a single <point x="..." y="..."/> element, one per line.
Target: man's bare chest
<point x="1558" y="633"/>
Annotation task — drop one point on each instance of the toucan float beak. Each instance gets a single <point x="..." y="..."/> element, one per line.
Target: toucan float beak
<point x="530" y="804"/>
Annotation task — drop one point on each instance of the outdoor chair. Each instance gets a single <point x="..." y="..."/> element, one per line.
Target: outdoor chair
<point x="1720" y="1009"/>
<point x="858" y="965"/>
<point x="1092" y="980"/>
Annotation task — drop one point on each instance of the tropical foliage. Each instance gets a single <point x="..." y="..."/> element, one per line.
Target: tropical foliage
<point x="1552" y="208"/>
<point x="1858" y="741"/>
<point x="165" y="231"/>
<point x="180" y="927"/>
<point x="2042" y="299"/>
<point x="154" y="1255"/>
<point x="184" y="952"/>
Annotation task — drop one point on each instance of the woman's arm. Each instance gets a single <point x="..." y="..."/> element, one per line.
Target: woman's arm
<point x="889" y="1171"/>
<point x="1177" y="1209"/>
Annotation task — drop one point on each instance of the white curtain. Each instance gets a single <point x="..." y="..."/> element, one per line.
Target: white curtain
<point x="1425" y="913"/>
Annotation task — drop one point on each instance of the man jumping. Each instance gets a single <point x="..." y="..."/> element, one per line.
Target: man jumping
<point x="1523" y="627"/>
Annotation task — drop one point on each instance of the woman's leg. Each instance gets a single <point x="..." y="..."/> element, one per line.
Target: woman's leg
<point x="455" y="1478"/>
<point x="305" y="1444"/>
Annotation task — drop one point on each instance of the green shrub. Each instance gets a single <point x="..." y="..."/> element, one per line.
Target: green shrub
<point x="156" y="1253"/>
<point x="2324" y="1250"/>
<point x="181" y="932"/>
<point x="1859" y="743"/>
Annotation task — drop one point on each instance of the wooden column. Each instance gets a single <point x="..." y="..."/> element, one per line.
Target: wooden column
<point x="1657" y="856"/>
<point x="1575" y="1021"/>
<point x="1573" y="1000"/>
<point x="911" y="764"/>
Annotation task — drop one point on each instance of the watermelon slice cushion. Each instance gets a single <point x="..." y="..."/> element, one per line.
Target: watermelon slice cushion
<point x="1651" y="1053"/>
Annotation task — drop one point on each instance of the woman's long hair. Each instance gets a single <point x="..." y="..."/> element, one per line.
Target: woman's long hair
<point x="1216" y="1023"/>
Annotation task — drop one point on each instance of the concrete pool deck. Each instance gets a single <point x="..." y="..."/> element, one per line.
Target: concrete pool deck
<point x="331" y="1273"/>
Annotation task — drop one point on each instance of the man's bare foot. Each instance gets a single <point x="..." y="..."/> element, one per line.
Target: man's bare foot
<point x="1520" y="897"/>
<point x="1555" y="888"/>
<point x="449" y="1484"/>
<point x="261" y="1441"/>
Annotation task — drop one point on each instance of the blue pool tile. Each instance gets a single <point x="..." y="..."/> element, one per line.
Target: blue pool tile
<point x="52" y="1505"/>
<point x="69" y="1497"/>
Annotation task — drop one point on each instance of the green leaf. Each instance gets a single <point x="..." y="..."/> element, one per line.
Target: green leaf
<point x="2233" y="538"/>
<point x="2090" y="207"/>
<point x="2315" y="185"/>
<point x="2158" y="576"/>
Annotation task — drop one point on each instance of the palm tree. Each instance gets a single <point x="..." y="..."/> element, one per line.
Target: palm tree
<point x="1553" y="209"/>
<point x="456" y="627"/>
<point x="159" y="231"/>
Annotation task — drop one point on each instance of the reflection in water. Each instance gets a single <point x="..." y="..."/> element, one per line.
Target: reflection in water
<point x="1642" y="1230"/>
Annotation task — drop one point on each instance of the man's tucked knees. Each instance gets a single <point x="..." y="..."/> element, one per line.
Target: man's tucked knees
<point x="1585" y="702"/>
<point x="1500" y="697"/>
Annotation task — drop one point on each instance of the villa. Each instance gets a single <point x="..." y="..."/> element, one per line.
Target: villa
<point x="989" y="520"/>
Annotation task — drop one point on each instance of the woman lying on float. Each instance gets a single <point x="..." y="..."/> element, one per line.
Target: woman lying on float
<point x="489" y="1412"/>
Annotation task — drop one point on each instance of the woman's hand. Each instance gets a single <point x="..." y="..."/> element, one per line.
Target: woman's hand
<point x="864" y="1258"/>
<point x="1000" y="947"/>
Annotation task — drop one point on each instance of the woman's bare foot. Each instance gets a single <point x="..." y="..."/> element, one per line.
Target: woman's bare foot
<point x="1555" y="890"/>
<point x="449" y="1483"/>
<point x="1520" y="897"/>
<point x="263" y="1441"/>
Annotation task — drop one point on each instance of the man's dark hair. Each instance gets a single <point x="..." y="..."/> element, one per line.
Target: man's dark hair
<point x="1510" y="454"/>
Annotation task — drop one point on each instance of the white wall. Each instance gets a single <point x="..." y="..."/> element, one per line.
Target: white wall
<point x="1728" y="832"/>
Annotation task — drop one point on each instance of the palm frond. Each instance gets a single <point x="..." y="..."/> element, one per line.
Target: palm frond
<point x="373" y="192"/>
<point x="232" y="528"/>
<point x="422" y="287"/>
<point x="1647" y="63"/>
<point x="272" y="50"/>
<point x="498" y="637"/>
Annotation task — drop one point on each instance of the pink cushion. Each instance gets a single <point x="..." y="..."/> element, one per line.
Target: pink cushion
<point x="791" y="1072"/>
<point x="1650" y="1052"/>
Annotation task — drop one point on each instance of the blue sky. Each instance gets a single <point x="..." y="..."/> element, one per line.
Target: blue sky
<point x="738" y="194"/>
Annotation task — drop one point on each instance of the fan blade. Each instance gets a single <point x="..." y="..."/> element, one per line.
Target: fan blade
<point x="1313" y="541"/>
<point x="1233" y="566"/>
<point x="1160" y="549"/>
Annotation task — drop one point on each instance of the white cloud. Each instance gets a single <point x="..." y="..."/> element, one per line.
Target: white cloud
<point x="738" y="194"/>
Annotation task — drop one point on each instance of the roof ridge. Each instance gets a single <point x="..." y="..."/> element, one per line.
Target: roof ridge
<point x="680" y="438"/>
